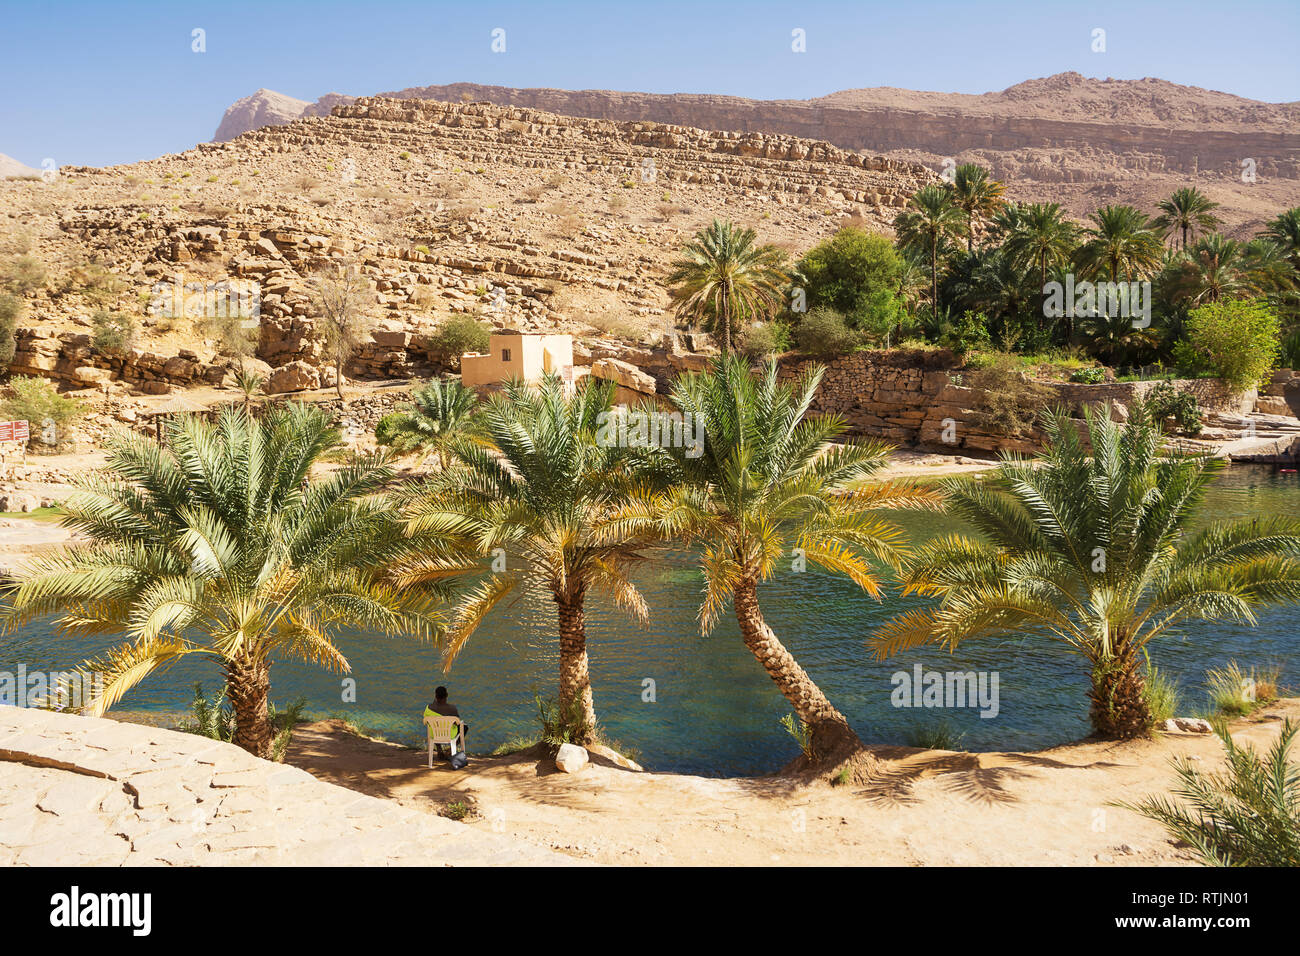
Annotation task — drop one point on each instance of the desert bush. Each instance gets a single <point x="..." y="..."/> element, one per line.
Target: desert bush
<point x="1008" y="402"/>
<point x="50" y="416"/>
<point x="823" y="333"/>
<point x="534" y="193"/>
<point x="12" y="309"/>
<point x="462" y="213"/>
<point x="666" y="210"/>
<point x="616" y="324"/>
<point x="1248" y="815"/>
<point x="939" y="735"/>
<point x="112" y="333"/>
<point x="307" y="183"/>
<point x="556" y="180"/>
<point x="1235" y="690"/>
<point x="23" y="275"/>
<point x="93" y="282"/>
<point x="458" y="335"/>
<point x="1237" y="340"/>
<point x="765" y="338"/>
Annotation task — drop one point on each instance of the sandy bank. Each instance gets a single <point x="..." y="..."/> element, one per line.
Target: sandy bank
<point x="928" y="808"/>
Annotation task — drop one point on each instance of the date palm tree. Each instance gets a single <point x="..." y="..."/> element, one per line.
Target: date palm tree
<point x="1187" y="212"/>
<point x="724" y="273"/>
<point x="770" y="480"/>
<point x="1122" y="244"/>
<point x="1216" y="268"/>
<point x="1095" y="551"/>
<point x="547" y="496"/>
<point x="1285" y="231"/>
<point x="930" y="223"/>
<point x="221" y="546"/>
<point x="977" y="195"/>
<point x="439" y="412"/>
<point x="1037" y="235"/>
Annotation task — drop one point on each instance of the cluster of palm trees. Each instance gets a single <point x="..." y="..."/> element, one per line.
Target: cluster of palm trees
<point x="966" y="249"/>
<point x="227" y="543"/>
<point x="1013" y="250"/>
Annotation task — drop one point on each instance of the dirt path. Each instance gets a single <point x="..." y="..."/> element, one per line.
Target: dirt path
<point x="930" y="808"/>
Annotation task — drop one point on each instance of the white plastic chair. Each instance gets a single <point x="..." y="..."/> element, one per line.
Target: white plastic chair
<point x="442" y="730"/>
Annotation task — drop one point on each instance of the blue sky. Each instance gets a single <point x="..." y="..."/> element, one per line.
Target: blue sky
<point x="111" y="82"/>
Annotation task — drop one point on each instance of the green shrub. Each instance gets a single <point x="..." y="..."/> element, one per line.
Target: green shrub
<point x="1161" y="695"/>
<point x="112" y="333"/>
<point x="215" y="719"/>
<point x="824" y="333"/>
<point x="850" y="272"/>
<point x="1248" y="815"/>
<point x="764" y="338"/>
<point x="50" y="416"/>
<point x="1165" y="402"/>
<point x="1093" y="375"/>
<point x="1237" y="340"/>
<point x="11" y="312"/>
<point x="969" y="332"/>
<point x="458" y="335"/>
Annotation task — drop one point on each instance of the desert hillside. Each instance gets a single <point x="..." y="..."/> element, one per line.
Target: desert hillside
<point x="530" y="220"/>
<point x="1065" y="138"/>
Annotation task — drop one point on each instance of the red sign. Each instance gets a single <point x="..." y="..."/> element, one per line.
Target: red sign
<point x="14" y="431"/>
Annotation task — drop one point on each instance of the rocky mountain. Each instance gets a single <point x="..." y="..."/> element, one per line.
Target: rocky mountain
<point x="526" y="219"/>
<point x="1065" y="138"/>
<point x="263" y="108"/>
<point x="11" y="167"/>
<point x="269" y="108"/>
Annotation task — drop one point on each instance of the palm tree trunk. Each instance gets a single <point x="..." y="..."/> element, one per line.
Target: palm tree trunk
<point x="1119" y="705"/>
<point x="831" y="739"/>
<point x="726" y="320"/>
<point x="1042" y="309"/>
<point x="577" y="708"/>
<point x="934" y="276"/>
<point x="248" y="685"/>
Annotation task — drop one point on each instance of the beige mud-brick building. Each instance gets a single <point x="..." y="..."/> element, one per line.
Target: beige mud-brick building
<point x="522" y="355"/>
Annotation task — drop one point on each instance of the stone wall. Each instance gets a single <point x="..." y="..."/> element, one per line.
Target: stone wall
<point x="68" y="357"/>
<point x="920" y="397"/>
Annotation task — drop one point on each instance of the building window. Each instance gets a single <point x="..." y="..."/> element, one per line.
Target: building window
<point x="505" y="355"/>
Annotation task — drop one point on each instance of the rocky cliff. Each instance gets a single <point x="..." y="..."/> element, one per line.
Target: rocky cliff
<point x="1065" y="138"/>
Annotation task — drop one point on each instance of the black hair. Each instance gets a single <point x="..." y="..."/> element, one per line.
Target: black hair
<point x="440" y="694"/>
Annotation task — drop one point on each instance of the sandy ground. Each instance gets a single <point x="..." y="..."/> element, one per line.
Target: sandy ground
<point x="927" y="808"/>
<point x="23" y="538"/>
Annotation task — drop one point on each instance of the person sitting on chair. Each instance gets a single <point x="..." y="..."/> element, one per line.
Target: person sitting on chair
<point x="443" y="708"/>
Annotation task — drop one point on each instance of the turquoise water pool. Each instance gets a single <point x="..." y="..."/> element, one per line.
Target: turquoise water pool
<point x="714" y="711"/>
